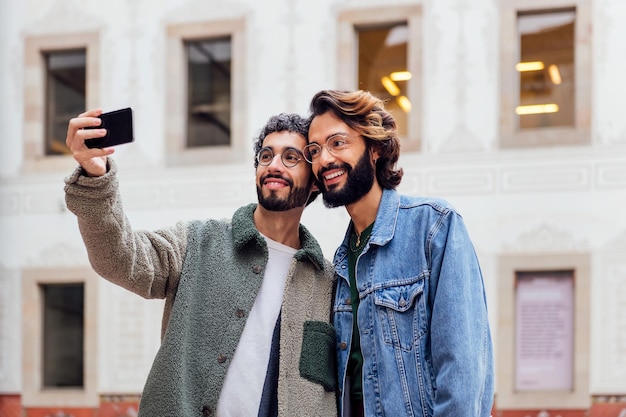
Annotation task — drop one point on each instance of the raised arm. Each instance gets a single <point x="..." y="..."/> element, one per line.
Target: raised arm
<point x="147" y="263"/>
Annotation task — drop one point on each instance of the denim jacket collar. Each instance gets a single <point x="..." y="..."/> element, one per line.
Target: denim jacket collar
<point x="384" y="226"/>
<point x="386" y="218"/>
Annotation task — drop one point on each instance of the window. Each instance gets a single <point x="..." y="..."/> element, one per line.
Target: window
<point x="546" y="74"/>
<point x="63" y="335"/>
<point x="61" y="81"/>
<point x="543" y="331"/>
<point x="65" y="95"/>
<point x="205" y="118"/>
<point x="387" y="46"/>
<point x="59" y="339"/>
<point x="383" y="68"/>
<point x="546" y="68"/>
<point x="208" y="92"/>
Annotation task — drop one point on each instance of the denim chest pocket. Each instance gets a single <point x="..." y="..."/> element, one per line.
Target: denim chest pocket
<point x="401" y="313"/>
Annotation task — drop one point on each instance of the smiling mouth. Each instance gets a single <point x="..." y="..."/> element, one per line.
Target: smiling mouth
<point x="274" y="182"/>
<point x="334" y="175"/>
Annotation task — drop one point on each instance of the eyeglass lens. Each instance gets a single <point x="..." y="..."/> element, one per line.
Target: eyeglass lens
<point x="290" y="157"/>
<point x="333" y="145"/>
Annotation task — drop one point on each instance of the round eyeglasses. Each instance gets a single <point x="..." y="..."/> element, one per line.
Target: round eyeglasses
<point x="290" y="157"/>
<point x="334" y="145"/>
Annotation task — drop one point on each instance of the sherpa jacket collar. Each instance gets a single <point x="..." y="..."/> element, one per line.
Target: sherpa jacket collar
<point x="244" y="231"/>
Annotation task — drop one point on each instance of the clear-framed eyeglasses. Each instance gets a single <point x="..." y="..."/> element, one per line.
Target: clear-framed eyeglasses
<point x="334" y="145"/>
<point x="290" y="157"/>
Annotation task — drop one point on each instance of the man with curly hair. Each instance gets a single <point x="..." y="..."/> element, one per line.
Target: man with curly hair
<point x="246" y="328"/>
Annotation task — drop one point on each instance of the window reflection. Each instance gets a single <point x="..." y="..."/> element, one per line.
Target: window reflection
<point x="63" y="357"/>
<point x="208" y="92"/>
<point x="383" y="68"/>
<point x="546" y="68"/>
<point x="65" y="95"/>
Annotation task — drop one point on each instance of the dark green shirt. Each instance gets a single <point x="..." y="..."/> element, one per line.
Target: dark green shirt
<point x="355" y="361"/>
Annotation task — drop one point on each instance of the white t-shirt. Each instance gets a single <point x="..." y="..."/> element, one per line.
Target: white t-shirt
<point x="243" y="385"/>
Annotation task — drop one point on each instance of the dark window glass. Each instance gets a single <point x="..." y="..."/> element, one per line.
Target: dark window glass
<point x="65" y="95"/>
<point x="63" y="334"/>
<point x="546" y="68"/>
<point x="208" y="92"/>
<point x="383" y="68"/>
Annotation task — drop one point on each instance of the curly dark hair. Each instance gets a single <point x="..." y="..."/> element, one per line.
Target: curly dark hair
<point x="284" y="122"/>
<point x="366" y="114"/>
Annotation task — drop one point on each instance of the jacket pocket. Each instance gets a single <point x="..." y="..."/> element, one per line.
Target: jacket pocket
<point x="401" y="313"/>
<point x="317" y="356"/>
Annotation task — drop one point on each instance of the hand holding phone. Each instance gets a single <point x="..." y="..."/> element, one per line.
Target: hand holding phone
<point x="119" y="127"/>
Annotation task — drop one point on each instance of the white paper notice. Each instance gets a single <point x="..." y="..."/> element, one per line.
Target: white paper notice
<point x="544" y="331"/>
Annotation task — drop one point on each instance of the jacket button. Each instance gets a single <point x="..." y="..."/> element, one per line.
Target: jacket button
<point x="349" y="301"/>
<point x="256" y="269"/>
<point x="239" y="313"/>
<point x="221" y="358"/>
<point x="206" y="411"/>
<point x="402" y="302"/>
<point x="343" y="345"/>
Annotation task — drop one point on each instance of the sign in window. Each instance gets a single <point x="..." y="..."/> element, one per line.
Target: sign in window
<point x="544" y="323"/>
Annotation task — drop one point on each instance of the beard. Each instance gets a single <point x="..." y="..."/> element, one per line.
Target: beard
<point x="360" y="181"/>
<point x="297" y="197"/>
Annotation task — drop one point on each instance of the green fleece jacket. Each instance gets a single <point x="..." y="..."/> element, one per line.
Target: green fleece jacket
<point x="209" y="273"/>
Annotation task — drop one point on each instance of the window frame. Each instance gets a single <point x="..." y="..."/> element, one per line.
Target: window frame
<point x="509" y="266"/>
<point x="177" y="152"/>
<point x="34" y="394"/>
<point x="580" y="133"/>
<point x="34" y="123"/>
<point x="347" y="57"/>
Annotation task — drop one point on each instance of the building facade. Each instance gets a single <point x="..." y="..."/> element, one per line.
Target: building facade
<point x="512" y="110"/>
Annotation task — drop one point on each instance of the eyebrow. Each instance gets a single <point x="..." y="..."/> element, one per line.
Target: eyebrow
<point x="332" y="135"/>
<point x="286" y="148"/>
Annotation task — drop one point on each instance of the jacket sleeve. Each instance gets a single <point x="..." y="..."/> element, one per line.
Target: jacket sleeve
<point x="146" y="263"/>
<point x="460" y="336"/>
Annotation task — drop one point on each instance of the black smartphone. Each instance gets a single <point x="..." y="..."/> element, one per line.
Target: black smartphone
<point x="119" y="126"/>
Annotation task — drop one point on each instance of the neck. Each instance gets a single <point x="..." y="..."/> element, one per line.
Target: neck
<point x="281" y="226"/>
<point x="363" y="212"/>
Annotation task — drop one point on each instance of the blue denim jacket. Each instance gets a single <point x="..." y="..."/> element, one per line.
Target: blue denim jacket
<point x="422" y="316"/>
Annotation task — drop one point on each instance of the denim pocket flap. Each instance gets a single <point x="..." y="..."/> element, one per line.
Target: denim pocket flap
<point x="317" y="357"/>
<point x="400" y="297"/>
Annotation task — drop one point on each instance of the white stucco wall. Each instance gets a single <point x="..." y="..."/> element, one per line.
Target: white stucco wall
<point x="527" y="201"/>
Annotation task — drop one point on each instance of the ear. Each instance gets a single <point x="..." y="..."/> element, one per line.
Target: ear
<point x="374" y="154"/>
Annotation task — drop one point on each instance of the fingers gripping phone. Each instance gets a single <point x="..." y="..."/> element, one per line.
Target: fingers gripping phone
<point x="119" y="127"/>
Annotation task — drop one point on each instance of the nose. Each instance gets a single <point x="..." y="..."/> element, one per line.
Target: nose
<point x="325" y="156"/>
<point x="276" y="164"/>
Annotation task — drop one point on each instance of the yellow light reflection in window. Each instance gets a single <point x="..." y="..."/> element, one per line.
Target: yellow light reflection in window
<point x="400" y="76"/>
<point x="404" y="103"/>
<point x="390" y="86"/>
<point x="555" y="74"/>
<point x="537" y="109"/>
<point x="529" y="66"/>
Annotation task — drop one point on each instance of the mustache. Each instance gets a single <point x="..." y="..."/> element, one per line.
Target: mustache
<point x="287" y="180"/>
